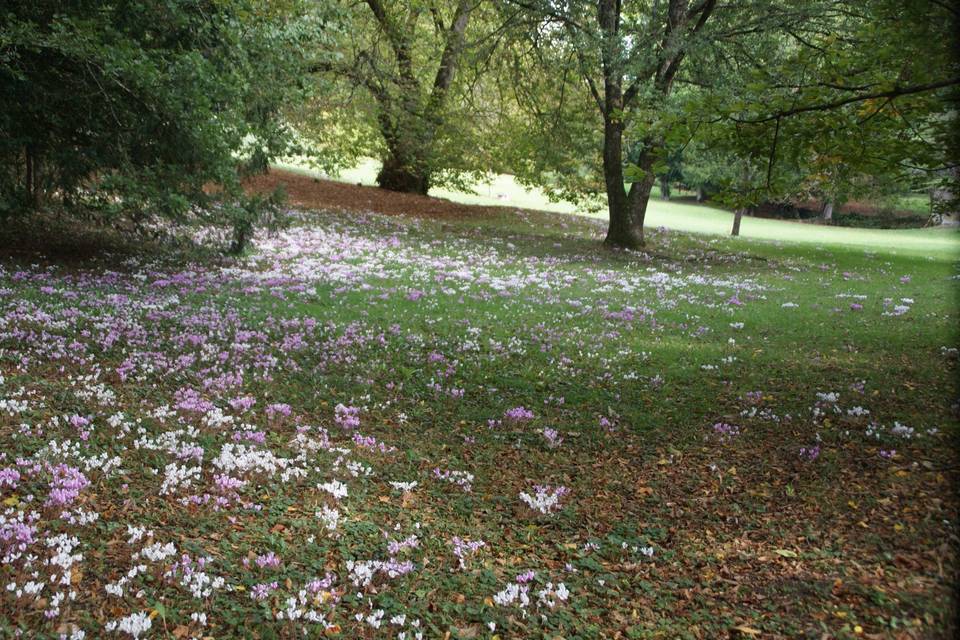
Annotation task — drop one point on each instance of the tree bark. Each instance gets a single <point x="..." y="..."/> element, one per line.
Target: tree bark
<point x="664" y="189"/>
<point x="399" y="174"/>
<point x="409" y="128"/>
<point x="827" y="212"/>
<point x="31" y="180"/>
<point x="622" y="229"/>
<point x="737" y="217"/>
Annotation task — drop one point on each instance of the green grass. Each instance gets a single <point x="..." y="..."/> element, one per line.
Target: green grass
<point x="503" y="190"/>
<point x="520" y="310"/>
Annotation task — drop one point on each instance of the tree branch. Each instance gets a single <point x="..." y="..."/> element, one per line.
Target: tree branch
<point x="896" y="92"/>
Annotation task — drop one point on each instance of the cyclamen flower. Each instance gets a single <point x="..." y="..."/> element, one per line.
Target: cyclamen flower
<point x="513" y="593"/>
<point x="268" y="559"/>
<point x="396" y="546"/>
<point x="243" y="403"/>
<point x="9" y="477"/>
<point x="553" y="437"/>
<point x="278" y="409"/>
<point x="263" y="590"/>
<point x="462" y="547"/>
<point x="335" y="488"/>
<point x="526" y="576"/>
<point x="346" y="417"/>
<point x="66" y="485"/>
<point x="330" y="518"/>
<point x="462" y="479"/>
<point x="545" y="498"/>
<point x="519" y="414"/>
<point x="551" y="596"/>
<point x="16" y="535"/>
<point x="810" y="453"/>
<point x="136" y="624"/>
<point x="726" y="432"/>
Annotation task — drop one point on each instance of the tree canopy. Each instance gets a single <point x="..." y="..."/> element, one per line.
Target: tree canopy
<point x="137" y="109"/>
<point x="826" y="89"/>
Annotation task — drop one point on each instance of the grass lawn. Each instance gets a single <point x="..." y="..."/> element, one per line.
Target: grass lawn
<point x="680" y="216"/>
<point x="385" y="427"/>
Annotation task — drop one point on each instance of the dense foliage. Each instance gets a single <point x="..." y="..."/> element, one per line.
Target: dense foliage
<point x="790" y="98"/>
<point x="130" y="108"/>
<point x="406" y="85"/>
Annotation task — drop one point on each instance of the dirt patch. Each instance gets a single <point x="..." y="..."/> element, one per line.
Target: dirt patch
<point x="315" y="193"/>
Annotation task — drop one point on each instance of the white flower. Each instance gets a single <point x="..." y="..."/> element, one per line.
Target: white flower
<point x="335" y="488"/>
<point x="329" y="517"/>
<point x="136" y="624"/>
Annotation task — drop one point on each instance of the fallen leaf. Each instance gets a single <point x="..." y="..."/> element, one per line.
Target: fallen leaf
<point x="749" y="631"/>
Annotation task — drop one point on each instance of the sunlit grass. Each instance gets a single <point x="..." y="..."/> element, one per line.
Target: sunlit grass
<point x="503" y="190"/>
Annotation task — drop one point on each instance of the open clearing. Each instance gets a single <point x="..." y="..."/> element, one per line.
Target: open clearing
<point x="502" y="191"/>
<point x="483" y="426"/>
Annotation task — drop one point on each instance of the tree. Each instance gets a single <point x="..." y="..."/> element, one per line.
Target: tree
<point x="405" y="59"/>
<point x="658" y="71"/>
<point x="861" y="104"/>
<point x="128" y="109"/>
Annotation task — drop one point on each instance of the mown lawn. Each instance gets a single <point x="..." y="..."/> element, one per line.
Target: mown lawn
<point x="378" y="427"/>
<point x="503" y="190"/>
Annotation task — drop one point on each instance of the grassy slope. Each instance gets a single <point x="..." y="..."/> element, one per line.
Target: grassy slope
<point x="503" y="190"/>
<point x="746" y="534"/>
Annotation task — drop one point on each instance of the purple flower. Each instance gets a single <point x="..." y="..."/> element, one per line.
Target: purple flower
<point x="525" y="577"/>
<point x="519" y="414"/>
<point x="269" y="560"/>
<point x="9" y="477"/>
<point x="553" y="438"/>
<point x="346" y="417"/>
<point x="263" y="590"/>
<point x="726" y="431"/>
<point x="65" y="485"/>
<point x="243" y="403"/>
<point x="278" y="409"/>
<point x="810" y="453"/>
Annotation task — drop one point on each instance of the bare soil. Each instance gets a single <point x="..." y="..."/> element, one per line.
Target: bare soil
<point x="315" y="193"/>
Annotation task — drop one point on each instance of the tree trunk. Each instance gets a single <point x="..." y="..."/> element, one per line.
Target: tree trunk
<point x="737" y="216"/>
<point x="398" y="174"/>
<point x="699" y="194"/>
<point x="410" y="127"/>
<point x="622" y="231"/>
<point x="31" y="180"/>
<point x="664" y="189"/>
<point x="827" y="213"/>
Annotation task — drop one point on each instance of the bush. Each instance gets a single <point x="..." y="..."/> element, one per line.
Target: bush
<point x="881" y="221"/>
<point x="130" y="109"/>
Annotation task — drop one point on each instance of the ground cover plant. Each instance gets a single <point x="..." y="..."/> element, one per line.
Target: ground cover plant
<point x="395" y="427"/>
